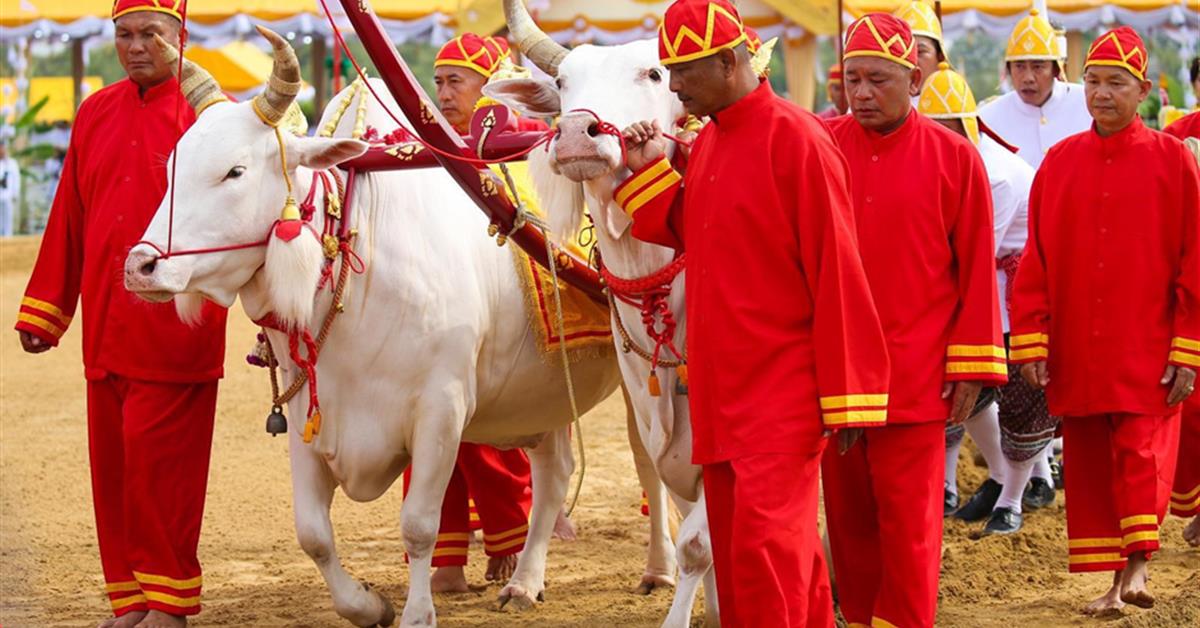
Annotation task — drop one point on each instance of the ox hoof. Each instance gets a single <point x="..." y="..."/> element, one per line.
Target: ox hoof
<point x="650" y="582"/>
<point x="516" y="597"/>
<point x="387" y="614"/>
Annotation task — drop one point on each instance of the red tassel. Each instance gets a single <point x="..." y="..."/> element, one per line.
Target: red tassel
<point x="288" y="230"/>
<point x="655" y="389"/>
<point x="681" y="371"/>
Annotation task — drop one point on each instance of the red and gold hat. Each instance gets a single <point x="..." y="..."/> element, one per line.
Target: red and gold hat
<point x="500" y="47"/>
<point x="174" y="8"/>
<point x="694" y="29"/>
<point x="881" y="35"/>
<point x="835" y="73"/>
<point x="1121" y="47"/>
<point x="753" y="40"/>
<point x="470" y="51"/>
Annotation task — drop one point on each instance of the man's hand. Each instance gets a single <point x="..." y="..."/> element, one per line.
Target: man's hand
<point x="965" y="396"/>
<point x="1036" y="374"/>
<point x="32" y="344"/>
<point x="1185" y="383"/>
<point x="644" y="143"/>
<point x="847" y="438"/>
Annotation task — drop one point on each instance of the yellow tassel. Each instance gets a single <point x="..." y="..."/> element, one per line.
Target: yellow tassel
<point x="655" y="389"/>
<point x="681" y="371"/>
<point x="316" y="422"/>
<point x="308" y="431"/>
<point x="290" y="210"/>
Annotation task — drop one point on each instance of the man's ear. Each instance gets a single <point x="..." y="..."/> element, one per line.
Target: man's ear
<point x="914" y="86"/>
<point x="528" y="96"/>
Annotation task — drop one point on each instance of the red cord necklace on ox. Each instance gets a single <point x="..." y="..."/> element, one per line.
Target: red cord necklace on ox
<point x="651" y="296"/>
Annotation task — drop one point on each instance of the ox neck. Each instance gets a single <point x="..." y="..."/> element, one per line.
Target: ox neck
<point x="625" y="255"/>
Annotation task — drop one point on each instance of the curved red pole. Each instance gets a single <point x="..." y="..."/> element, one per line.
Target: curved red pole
<point x="480" y="185"/>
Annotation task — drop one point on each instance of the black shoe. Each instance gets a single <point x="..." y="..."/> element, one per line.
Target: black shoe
<point x="1003" y="521"/>
<point x="1056" y="469"/>
<point x="1038" y="494"/>
<point x="981" y="503"/>
<point x="949" y="502"/>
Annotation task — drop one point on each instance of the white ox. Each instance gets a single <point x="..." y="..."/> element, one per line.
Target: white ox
<point x="434" y="346"/>
<point x="622" y="85"/>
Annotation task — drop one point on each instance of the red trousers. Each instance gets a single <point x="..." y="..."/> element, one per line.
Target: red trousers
<point x="149" y="445"/>
<point x="770" y="566"/>
<point x="496" y="484"/>
<point x="1117" y="470"/>
<point x="1185" y="497"/>
<point x="883" y="506"/>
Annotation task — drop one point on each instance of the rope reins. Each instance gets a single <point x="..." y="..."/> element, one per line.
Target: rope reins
<point x="650" y="296"/>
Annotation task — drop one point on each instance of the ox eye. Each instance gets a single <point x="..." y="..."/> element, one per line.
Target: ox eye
<point x="655" y="75"/>
<point x="235" y="173"/>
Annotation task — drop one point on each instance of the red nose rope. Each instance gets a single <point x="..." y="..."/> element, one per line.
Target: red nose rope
<point x="649" y="294"/>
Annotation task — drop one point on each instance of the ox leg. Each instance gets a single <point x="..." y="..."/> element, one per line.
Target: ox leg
<point x="695" y="565"/>
<point x="660" y="561"/>
<point x="312" y="492"/>
<point x="551" y="464"/>
<point x="420" y="515"/>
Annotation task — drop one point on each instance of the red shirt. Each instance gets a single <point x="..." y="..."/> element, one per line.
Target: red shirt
<point x="924" y="212"/>
<point x="1185" y="127"/>
<point x="783" y="340"/>
<point x="1108" y="291"/>
<point x="113" y="180"/>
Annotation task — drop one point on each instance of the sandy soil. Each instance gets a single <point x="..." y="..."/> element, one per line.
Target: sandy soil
<point x="256" y="574"/>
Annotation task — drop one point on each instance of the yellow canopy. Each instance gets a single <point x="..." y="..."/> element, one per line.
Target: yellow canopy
<point x="238" y="66"/>
<point x="19" y="12"/>
<point x="60" y="89"/>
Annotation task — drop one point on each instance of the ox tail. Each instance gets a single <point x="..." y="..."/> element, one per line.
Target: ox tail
<point x="292" y="271"/>
<point x="189" y="307"/>
<point x="561" y="198"/>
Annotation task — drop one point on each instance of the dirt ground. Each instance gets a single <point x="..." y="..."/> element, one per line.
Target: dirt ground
<point x="256" y="574"/>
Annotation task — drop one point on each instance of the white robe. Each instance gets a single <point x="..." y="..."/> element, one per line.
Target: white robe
<point x="1011" y="179"/>
<point x="1035" y="129"/>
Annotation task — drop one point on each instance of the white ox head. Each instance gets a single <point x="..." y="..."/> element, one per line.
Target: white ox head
<point x="228" y="189"/>
<point x="621" y="85"/>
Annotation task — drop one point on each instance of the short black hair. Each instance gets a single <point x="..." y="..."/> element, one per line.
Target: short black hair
<point x="1195" y="69"/>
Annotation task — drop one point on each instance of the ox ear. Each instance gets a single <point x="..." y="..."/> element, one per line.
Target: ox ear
<point x="320" y="153"/>
<point x="528" y="96"/>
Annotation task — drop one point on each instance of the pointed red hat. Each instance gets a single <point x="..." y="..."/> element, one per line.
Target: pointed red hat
<point x="174" y="8"/>
<point x="1123" y="48"/>
<point x="694" y="29"/>
<point x="470" y="51"/>
<point x="881" y="35"/>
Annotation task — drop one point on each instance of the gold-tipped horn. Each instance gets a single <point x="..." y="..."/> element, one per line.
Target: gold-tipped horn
<point x="198" y="86"/>
<point x="272" y="104"/>
<point x="534" y="43"/>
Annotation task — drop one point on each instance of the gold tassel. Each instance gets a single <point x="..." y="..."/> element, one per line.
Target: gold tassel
<point x="316" y="422"/>
<point x="681" y="371"/>
<point x="308" y="431"/>
<point x="655" y="388"/>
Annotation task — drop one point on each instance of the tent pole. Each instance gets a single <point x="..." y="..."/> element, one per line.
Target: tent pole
<point x="319" y="51"/>
<point x="77" y="70"/>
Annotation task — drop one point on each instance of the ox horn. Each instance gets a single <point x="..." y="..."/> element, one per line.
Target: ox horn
<point x="198" y="86"/>
<point x="534" y="43"/>
<point x="284" y="83"/>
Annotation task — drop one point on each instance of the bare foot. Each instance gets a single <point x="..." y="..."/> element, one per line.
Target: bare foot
<point x="159" y="619"/>
<point x="128" y="620"/>
<point x="1109" y="602"/>
<point x="500" y="568"/>
<point x="1191" y="533"/>
<point x="449" y="579"/>
<point x="1134" y="581"/>
<point x="564" y="530"/>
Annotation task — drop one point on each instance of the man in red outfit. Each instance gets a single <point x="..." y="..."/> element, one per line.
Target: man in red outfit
<point x="784" y="344"/>
<point x="498" y="481"/>
<point x="1185" y="496"/>
<point x="151" y="379"/>
<point x="924" y="213"/>
<point x="1106" y="316"/>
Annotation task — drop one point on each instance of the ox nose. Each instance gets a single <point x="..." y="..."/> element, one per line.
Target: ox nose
<point x="140" y="264"/>
<point x="577" y="135"/>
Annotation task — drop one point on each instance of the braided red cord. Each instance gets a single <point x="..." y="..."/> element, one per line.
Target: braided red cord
<point x="649" y="295"/>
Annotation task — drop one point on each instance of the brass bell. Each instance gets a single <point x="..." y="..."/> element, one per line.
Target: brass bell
<point x="276" y="422"/>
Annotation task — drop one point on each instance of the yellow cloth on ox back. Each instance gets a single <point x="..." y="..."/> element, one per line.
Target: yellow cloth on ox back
<point x="586" y="325"/>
